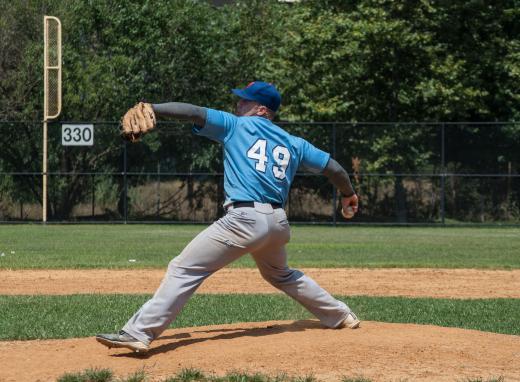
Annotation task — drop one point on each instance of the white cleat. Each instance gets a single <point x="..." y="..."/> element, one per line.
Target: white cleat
<point x="122" y="340"/>
<point x="351" y="322"/>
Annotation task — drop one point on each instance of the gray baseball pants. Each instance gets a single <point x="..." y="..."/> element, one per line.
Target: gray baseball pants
<point x="261" y="231"/>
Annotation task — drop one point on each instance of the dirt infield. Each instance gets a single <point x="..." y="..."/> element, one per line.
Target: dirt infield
<point x="379" y="351"/>
<point x="438" y="283"/>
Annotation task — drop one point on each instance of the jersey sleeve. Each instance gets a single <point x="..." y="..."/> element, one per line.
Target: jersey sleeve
<point x="313" y="158"/>
<point x="219" y="125"/>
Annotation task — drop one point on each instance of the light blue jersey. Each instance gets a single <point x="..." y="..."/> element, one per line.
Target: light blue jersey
<point x="260" y="158"/>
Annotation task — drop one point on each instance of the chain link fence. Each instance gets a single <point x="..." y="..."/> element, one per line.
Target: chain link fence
<point x="404" y="173"/>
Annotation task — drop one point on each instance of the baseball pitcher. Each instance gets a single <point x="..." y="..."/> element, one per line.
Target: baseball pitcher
<point x="260" y="163"/>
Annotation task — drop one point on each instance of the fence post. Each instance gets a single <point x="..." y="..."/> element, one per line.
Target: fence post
<point x="157" y="190"/>
<point x="334" y="191"/>
<point x="93" y="196"/>
<point x="125" y="184"/>
<point x="443" y="175"/>
<point x="44" y="173"/>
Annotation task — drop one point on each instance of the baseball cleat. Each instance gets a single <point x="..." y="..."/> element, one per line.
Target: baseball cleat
<point x="122" y="340"/>
<point x="351" y="321"/>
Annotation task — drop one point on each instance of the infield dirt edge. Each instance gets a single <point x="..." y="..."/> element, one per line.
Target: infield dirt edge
<point x="407" y="282"/>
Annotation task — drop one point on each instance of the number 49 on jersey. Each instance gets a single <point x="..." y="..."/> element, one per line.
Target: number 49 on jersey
<point x="280" y="154"/>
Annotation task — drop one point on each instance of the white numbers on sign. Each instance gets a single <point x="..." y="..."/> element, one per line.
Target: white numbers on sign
<point x="281" y="156"/>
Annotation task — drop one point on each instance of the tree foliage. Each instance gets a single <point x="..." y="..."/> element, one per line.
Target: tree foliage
<point x="333" y="60"/>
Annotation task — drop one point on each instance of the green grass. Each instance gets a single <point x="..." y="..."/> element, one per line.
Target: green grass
<point x="190" y="375"/>
<point x="153" y="246"/>
<point x="41" y="317"/>
<point x="195" y="375"/>
<point x="89" y="375"/>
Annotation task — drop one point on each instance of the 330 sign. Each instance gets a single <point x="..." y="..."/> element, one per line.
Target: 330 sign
<point x="77" y="135"/>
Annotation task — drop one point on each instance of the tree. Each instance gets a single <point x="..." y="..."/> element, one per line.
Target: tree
<point x="354" y="61"/>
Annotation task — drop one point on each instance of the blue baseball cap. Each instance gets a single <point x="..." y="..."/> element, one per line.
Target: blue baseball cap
<point x="262" y="92"/>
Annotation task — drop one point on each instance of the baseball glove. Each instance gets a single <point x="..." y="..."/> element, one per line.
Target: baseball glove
<point x="137" y="121"/>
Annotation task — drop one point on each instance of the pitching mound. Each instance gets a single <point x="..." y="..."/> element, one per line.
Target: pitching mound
<point x="379" y="351"/>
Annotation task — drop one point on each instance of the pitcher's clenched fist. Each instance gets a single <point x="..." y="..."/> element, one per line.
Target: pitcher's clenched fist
<point x="349" y="206"/>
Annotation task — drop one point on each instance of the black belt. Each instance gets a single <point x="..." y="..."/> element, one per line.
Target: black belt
<point x="252" y="204"/>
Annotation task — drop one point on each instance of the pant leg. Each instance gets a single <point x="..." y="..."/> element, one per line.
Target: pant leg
<point x="272" y="263"/>
<point x="218" y="245"/>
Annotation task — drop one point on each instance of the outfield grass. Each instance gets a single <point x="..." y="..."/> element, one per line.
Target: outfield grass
<point x="41" y="317"/>
<point x="153" y="246"/>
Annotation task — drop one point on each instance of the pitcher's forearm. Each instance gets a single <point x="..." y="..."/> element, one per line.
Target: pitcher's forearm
<point x="182" y="111"/>
<point x="338" y="177"/>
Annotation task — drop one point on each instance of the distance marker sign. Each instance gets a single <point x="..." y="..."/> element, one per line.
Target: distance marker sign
<point x="77" y="135"/>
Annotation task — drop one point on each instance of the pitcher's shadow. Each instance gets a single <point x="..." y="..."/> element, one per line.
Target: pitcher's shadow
<point x="226" y="334"/>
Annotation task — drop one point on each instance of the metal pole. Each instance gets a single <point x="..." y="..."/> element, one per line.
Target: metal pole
<point x="93" y="196"/>
<point x="44" y="172"/>
<point x="443" y="175"/>
<point x="45" y="112"/>
<point x="158" y="189"/>
<point x="125" y="192"/>
<point x="334" y="191"/>
<point x="508" y="191"/>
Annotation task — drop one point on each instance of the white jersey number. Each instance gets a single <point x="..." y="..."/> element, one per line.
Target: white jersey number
<point x="257" y="152"/>
<point x="281" y="156"/>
